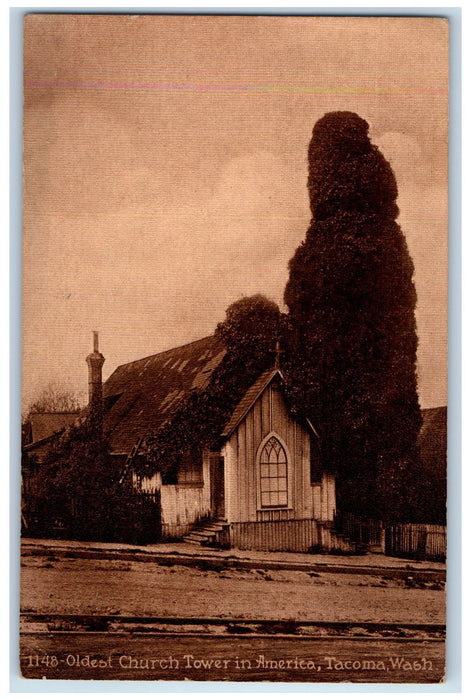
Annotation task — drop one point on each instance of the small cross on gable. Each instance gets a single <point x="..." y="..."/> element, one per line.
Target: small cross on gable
<point x="278" y="352"/>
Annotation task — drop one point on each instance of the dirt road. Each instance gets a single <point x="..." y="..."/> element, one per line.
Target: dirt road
<point x="66" y="585"/>
<point x="70" y="585"/>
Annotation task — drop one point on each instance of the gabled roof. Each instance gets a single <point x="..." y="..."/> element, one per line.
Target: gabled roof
<point x="45" y="424"/>
<point x="140" y="396"/>
<point x="44" y="441"/>
<point x="433" y="440"/>
<point x="250" y="397"/>
<point x="248" y="400"/>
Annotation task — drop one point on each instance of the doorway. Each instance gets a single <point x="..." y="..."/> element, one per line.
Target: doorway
<point x="216" y="465"/>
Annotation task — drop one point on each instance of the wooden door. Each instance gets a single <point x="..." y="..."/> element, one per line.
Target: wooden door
<point x="216" y="464"/>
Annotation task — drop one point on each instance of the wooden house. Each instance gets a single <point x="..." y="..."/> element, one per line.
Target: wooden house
<point x="263" y="487"/>
<point x="37" y="435"/>
<point x="41" y="427"/>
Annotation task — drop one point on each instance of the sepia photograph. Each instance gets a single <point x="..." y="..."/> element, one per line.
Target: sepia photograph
<point x="234" y="348"/>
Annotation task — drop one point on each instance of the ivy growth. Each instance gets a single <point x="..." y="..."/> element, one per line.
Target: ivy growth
<point x="78" y="464"/>
<point x="249" y="333"/>
<point x="351" y="301"/>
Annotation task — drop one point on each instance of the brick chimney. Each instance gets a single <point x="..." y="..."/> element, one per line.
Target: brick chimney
<point x="95" y="386"/>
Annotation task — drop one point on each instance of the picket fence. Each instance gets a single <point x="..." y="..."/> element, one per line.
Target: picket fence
<point x="418" y="540"/>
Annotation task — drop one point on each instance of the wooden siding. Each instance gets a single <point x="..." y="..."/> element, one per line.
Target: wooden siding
<point x="323" y="499"/>
<point x="286" y="536"/>
<point x="275" y="536"/>
<point x="182" y="505"/>
<point x="272" y="514"/>
<point x="148" y="484"/>
<point x="267" y="415"/>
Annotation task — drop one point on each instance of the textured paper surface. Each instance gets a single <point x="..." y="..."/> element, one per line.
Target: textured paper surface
<point x="165" y="164"/>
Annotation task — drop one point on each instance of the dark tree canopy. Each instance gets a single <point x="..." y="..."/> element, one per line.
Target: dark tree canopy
<point x="249" y="332"/>
<point x="252" y="323"/>
<point x="346" y="172"/>
<point x="78" y="463"/>
<point x="351" y="300"/>
<point x="76" y="492"/>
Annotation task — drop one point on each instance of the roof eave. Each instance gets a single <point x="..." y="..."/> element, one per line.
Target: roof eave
<point x="312" y="428"/>
<point x="42" y="441"/>
<point x="227" y="432"/>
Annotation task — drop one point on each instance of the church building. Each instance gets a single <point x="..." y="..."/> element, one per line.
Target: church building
<point x="262" y="487"/>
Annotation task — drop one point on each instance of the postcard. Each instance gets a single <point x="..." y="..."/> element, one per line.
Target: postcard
<point x="234" y="399"/>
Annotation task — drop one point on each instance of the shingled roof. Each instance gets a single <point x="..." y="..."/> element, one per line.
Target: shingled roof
<point x="140" y="396"/>
<point x="249" y="398"/>
<point x="433" y="440"/>
<point x="43" y="425"/>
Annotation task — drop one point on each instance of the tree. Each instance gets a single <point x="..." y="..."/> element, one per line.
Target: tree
<point x="79" y="463"/>
<point x="351" y="300"/>
<point x="249" y="332"/>
<point x="52" y="399"/>
<point x="75" y="478"/>
<point x="77" y="491"/>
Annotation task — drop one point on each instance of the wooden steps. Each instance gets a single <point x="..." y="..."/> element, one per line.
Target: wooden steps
<point x="206" y="533"/>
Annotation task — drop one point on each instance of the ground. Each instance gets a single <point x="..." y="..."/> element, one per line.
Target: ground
<point x="99" y="611"/>
<point x="68" y="585"/>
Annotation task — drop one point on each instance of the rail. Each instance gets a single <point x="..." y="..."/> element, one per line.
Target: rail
<point x="51" y="623"/>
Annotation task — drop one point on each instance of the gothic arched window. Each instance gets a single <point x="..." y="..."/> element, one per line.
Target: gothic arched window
<point x="273" y="475"/>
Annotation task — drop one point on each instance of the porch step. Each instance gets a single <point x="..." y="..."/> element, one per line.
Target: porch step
<point x="206" y="533"/>
<point x="196" y="535"/>
<point x="210" y="528"/>
<point x="341" y="536"/>
<point x="191" y="539"/>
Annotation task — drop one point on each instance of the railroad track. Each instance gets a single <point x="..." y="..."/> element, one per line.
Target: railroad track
<point x="58" y="623"/>
<point x="128" y="647"/>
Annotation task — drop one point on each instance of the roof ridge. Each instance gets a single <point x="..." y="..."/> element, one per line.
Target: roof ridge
<point x="163" y="352"/>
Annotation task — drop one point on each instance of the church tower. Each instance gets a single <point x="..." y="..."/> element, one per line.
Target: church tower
<point x="95" y="385"/>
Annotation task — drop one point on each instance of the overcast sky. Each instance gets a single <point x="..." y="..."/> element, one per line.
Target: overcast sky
<point x="165" y="164"/>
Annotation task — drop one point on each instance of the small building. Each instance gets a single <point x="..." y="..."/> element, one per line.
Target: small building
<point x="37" y="435"/>
<point x="40" y="427"/>
<point x="431" y="478"/>
<point x="261" y="487"/>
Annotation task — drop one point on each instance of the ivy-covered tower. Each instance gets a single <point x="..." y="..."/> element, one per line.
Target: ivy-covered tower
<point x="351" y="300"/>
<point x="95" y="361"/>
